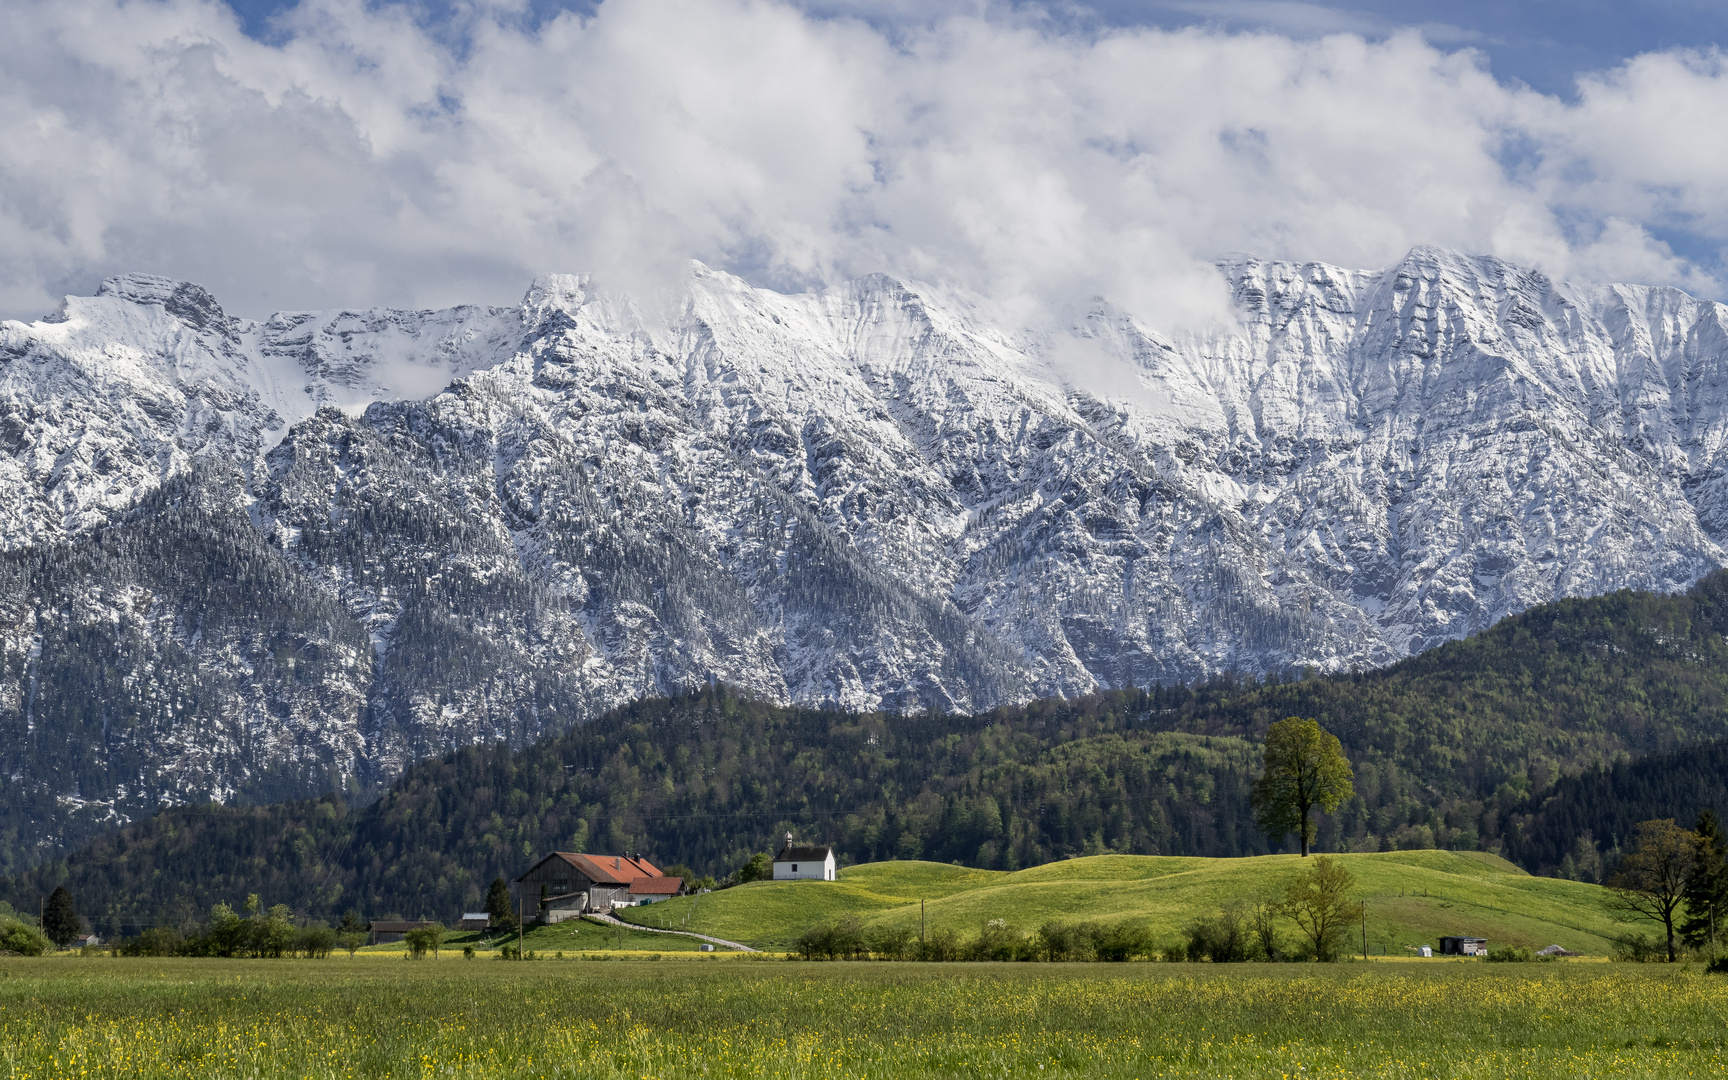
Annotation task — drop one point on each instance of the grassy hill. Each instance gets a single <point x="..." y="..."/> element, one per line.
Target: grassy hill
<point x="1413" y="897"/>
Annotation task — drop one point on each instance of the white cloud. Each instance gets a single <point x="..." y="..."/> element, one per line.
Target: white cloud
<point x="359" y="160"/>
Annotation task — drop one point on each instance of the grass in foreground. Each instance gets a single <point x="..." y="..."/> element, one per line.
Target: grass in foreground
<point x="309" y="1019"/>
<point x="1413" y="898"/>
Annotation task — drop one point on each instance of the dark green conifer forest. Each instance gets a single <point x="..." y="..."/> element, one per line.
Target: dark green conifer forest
<point x="1563" y="724"/>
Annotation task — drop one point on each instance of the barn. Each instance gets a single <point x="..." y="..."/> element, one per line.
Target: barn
<point x="565" y="884"/>
<point x="385" y="931"/>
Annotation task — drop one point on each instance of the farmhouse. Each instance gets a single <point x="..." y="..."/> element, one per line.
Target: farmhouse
<point x="1463" y="946"/>
<point x="565" y="884"/>
<point x="796" y="863"/>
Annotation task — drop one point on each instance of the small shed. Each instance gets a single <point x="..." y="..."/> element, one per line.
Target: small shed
<point x="803" y="862"/>
<point x="1463" y="946"/>
<point x="474" y="920"/>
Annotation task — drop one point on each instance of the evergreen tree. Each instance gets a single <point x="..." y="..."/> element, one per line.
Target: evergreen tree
<point x="60" y="919"/>
<point x="1707" y="887"/>
<point x="498" y="904"/>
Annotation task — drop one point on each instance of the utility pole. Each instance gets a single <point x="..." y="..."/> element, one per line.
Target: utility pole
<point x="518" y="926"/>
<point x="1364" y="931"/>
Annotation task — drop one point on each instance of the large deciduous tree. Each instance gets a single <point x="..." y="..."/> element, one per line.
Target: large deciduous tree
<point x="1652" y="879"/>
<point x="60" y="919"/>
<point x="1707" y="887"/>
<point x="1305" y="769"/>
<point x="1319" y="902"/>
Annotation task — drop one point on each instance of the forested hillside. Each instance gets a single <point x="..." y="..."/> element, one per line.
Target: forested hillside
<point x="1461" y="747"/>
<point x="704" y="779"/>
<point x="1596" y="811"/>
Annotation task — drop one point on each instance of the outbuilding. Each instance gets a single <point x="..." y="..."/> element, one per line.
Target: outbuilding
<point x="1463" y="946"/>
<point x="386" y="931"/>
<point x="474" y="920"/>
<point x="799" y="863"/>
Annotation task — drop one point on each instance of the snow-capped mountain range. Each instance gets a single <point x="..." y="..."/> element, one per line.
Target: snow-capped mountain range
<point x="252" y="559"/>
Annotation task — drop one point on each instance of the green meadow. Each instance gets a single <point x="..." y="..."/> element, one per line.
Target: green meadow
<point x="1413" y="897"/>
<point x="336" y="1019"/>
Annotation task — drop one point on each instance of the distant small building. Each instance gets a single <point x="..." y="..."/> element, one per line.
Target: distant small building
<point x="1423" y="950"/>
<point x="1463" y="946"/>
<point x="474" y="920"/>
<point x="797" y="863"/>
<point x="389" y="930"/>
<point x="86" y="941"/>
<point x="566" y="883"/>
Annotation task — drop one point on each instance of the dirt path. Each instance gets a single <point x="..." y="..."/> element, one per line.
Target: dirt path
<point x="611" y="920"/>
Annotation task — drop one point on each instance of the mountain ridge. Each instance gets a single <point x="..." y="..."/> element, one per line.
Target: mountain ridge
<point x="867" y="497"/>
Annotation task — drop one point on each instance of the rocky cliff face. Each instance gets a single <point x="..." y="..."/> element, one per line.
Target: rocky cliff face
<point x="250" y="560"/>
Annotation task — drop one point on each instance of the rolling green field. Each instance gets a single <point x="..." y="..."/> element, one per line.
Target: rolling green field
<point x="106" y="1019"/>
<point x="1413" y="897"/>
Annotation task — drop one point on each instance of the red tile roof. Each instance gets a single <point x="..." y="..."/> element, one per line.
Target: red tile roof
<point x="608" y="869"/>
<point x="656" y="886"/>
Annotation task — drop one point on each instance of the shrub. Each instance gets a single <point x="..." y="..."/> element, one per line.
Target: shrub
<point x="940" y="945"/>
<point x="1121" y="941"/>
<point x="841" y="940"/>
<point x="890" y="943"/>
<point x="1510" y="954"/>
<point x="275" y="935"/>
<point x="1223" y="939"/>
<point x="20" y="938"/>
<point x="1637" y="949"/>
<point x="156" y="941"/>
<point x="424" y="939"/>
<point x="1718" y="966"/>
<point x="1058" y="942"/>
<point x="317" y="942"/>
<point x="998" y="941"/>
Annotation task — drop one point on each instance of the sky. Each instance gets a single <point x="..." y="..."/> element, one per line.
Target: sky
<point x="1035" y="155"/>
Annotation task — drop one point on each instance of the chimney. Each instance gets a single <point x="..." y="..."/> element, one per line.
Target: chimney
<point x="615" y="863"/>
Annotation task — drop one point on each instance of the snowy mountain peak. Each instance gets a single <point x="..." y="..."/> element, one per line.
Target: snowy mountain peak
<point x="191" y="303"/>
<point x="871" y="496"/>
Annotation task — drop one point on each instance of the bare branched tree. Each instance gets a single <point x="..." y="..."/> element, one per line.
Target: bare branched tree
<point x="1652" y="879"/>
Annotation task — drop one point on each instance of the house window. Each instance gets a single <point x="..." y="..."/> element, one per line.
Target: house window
<point x="794" y="868"/>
